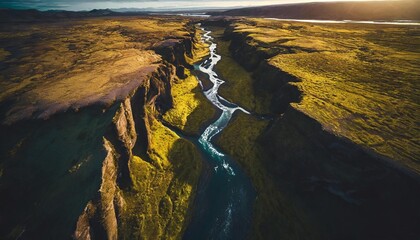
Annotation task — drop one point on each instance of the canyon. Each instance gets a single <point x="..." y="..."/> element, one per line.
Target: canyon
<point x="113" y="128"/>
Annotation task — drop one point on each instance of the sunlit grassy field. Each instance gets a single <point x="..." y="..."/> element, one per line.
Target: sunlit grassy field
<point x="359" y="81"/>
<point x="72" y="63"/>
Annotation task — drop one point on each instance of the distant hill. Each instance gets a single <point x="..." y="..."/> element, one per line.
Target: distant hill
<point x="32" y="15"/>
<point x="378" y="10"/>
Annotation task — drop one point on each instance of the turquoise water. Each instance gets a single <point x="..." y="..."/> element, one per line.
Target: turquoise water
<point x="225" y="197"/>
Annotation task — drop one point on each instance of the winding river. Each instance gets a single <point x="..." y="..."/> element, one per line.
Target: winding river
<point x="225" y="197"/>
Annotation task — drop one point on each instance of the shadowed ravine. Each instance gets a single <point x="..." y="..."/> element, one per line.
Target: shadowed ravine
<point x="224" y="202"/>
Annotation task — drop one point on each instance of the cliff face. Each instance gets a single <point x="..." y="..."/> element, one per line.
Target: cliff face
<point x="126" y="207"/>
<point x="106" y="171"/>
<point x="102" y="214"/>
<point x="268" y="81"/>
<point x="318" y="177"/>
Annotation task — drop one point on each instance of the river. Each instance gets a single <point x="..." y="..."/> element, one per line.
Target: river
<point x="225" y="196"/>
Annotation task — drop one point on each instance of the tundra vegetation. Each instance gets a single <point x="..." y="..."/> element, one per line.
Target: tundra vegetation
<point x="360" y="81"/>
<point x="52" y="66"/>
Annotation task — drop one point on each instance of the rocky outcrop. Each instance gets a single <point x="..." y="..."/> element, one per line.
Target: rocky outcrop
<point x="108" y="193"/>
<point x="99" y="218"/>
<point x="125" y="129"/>
<point x="175" y="50"/>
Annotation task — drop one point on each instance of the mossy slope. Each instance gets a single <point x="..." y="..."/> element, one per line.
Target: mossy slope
<point x="163" y="187"/>
<point x="239" y="87"/>
<point x="190" y="108"/>
<point x="274" y="215"/>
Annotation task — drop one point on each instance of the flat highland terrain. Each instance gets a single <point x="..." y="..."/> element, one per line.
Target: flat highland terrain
<point x="360" y="81"/>
<point x="51" y="66"/>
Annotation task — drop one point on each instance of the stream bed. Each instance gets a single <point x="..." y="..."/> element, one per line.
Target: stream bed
<point x="225" y="197"/>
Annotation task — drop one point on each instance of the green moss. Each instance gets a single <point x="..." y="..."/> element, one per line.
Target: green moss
<point x="238" y="87"/>
<point x="158" y="205"/>
<point x="200" y="49"/>
<point x="191" y="110"/>
<point x="273" y="215"/>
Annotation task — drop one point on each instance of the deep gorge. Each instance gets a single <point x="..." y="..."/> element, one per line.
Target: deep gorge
<point x="117" y="171"/>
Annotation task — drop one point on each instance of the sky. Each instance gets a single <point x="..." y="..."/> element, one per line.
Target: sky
<point x="148" y="5"/>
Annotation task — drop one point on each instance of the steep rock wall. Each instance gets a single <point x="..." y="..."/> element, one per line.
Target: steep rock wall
<point x="324" y="176"/>
<point x="131" y="140"/>
<point x="73" y="169"/>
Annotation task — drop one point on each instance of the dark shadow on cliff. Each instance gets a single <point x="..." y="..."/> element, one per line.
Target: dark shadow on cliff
<point x="50" y="169"/>
<point x="345" y="192"/>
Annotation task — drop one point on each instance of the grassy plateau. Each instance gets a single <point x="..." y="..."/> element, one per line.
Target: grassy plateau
<point x="359" y="81"/>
